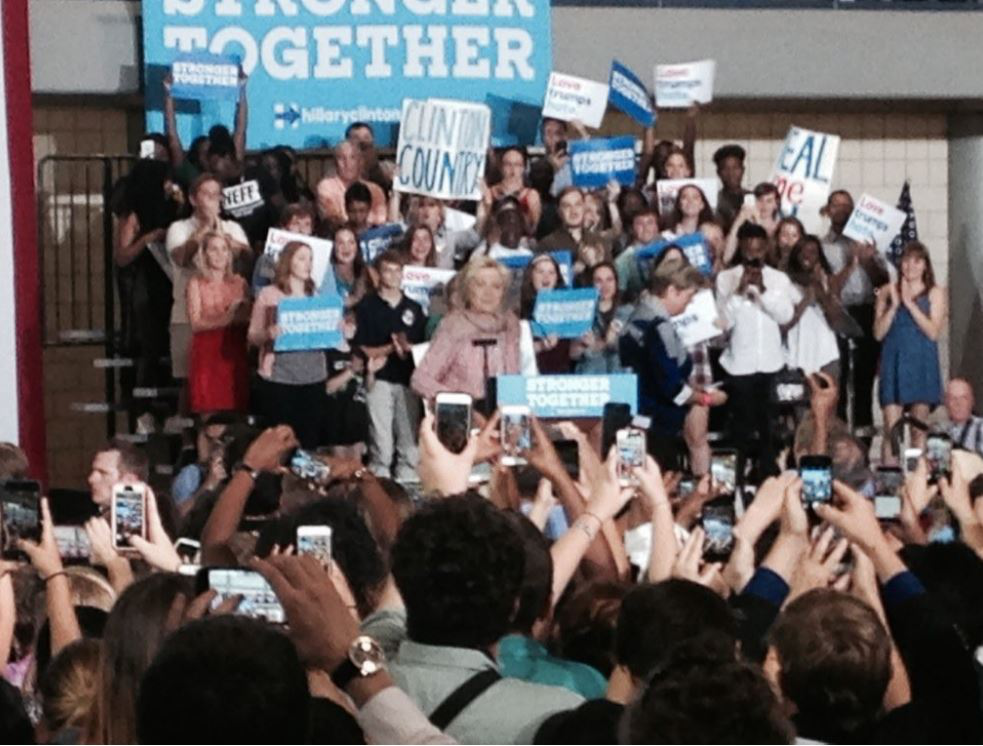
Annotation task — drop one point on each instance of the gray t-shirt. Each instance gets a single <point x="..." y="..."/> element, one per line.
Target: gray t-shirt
<point x="299" y="367"/>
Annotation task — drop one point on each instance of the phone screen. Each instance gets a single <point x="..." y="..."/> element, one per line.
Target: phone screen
<point x="723" y="470"/>
<point x="617" y="416"/>
<point x="20" y="511"/>
<point x="631" y="454"/>
<point x="316" y="541"/>
<point x="453" y="424"/>
<point x="718" y="526"/>
<point x="128" y="514"/>
<point x="686" y="487"/>
<point x="817" y="480"/>
<point x="938" y="455"/>
<point x="305" y="466"/>
<point x="569" y="453"/>
<point x="516" y="435"/>
<point x="258" y="599"/>
<point x="72" y="542"/>
<point x="887" y="507"/>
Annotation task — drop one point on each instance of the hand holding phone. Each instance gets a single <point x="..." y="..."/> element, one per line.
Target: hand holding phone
<point x="631" y="454"/>
<point x="315" y="541"/>
<point x="516" y="434"/>
<point x="129" y="515"/>
<point x="817" y="480"/>
<point x="258" y="600"/>
<point x="20" y="515"/>
<point x="453" y="420"/>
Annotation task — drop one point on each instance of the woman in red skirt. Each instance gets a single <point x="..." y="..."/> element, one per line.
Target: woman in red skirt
<point x="218" y="307"/>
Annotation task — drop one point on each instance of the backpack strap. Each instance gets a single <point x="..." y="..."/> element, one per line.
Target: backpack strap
<point x="463" y="696"/>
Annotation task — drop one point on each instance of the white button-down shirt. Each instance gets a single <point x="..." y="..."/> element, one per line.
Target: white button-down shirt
<point x="755" y="344"/>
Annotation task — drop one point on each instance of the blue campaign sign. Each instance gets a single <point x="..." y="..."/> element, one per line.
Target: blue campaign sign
<point x="693" y="245"/>
<point x="596" y="162"/>
<point x="629" y="94"/>
<point x="203" y="76"/>
<point x="312" y="323"/>
<point x="376" y="240"/>
<point x="513" y="122"/>
<point x="567" y="314"/>
<point x="563" y="257"/>
<point x="568" y="396"/>
<point x="316" y="66"/>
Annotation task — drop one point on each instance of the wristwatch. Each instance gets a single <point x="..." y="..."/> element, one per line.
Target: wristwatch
<point x="253" y="473"/>
<point x="365" y="657"/>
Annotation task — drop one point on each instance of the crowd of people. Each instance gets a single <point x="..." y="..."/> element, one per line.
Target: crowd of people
<point x="570" y="598"/>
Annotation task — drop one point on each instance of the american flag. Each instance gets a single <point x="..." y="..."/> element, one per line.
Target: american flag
<point x="909" y="229"/>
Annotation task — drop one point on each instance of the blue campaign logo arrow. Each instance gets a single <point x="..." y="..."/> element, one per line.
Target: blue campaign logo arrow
<point x="286" y="115"/>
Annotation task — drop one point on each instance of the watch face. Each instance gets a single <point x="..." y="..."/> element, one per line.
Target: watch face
<point x="367" y="655"/>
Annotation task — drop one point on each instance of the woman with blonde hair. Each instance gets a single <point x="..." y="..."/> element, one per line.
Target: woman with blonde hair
<point x="218" y="309"/>
<point x="68" y="692"/>
<point x="291" y="387"/>
<point x="473" y="343"/>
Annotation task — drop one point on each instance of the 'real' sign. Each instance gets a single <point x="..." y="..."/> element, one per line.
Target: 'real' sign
<point x="316" y="66"/>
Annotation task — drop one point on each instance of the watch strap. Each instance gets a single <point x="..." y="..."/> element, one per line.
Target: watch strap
<point x="343" y="674"/>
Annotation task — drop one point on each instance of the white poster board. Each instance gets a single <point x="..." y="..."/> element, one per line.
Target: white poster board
<point x="681" y="85"/>
<point x="873" y="220"/>
<point x="569" y="98"/>
<point x="804" y="174"/>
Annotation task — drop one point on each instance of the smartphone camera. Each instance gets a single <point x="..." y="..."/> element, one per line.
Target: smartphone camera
<point x="129" y="516"/>
<point x="516" y="434"/>
<point x="315" y="541"/>
<point x="631" y="454"/>
<point x="717" y="521"/>
<point x="887" y="493"/>
<point x="723" y="471"/>
<point x="817" y="479"/>
<point x="306" y="466"/>
<point x="453" y="416"/>
<point x="20" y="515"/>
<point x="938" y="455"/>
<point x="258" y="599"/>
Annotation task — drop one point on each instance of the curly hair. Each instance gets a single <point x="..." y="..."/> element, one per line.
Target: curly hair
<point x="459" y="564"/>
<point x="352" y="545"/>
<point x="702" y="695"/>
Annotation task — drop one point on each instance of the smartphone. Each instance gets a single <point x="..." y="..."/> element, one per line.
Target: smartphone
<point x="569" y="453"/>
<point x="911" y="456"/>
<point x="188" y="550"/>
<point x="72" y="542"/>
<point x="791" y="392"/>
<point x="750" y="200"/>
<point x="306" y="466"/>
<point x="938" y="455"/>
<point x="631" y="454"/>
<point x="258" y="599"/>
<point x="516" y="433"/>
<point x="20" y="515"/>
<point x="616" y="416"/>
<point x="887" y="492"/>
<point x="817" y="479"/>
<point x="453" y="415"/>
<point x="717" y="521"/>
<point x="316" y="541"/>
<point x="686" y="486"/>
<point x="723" y="470"/>
<point x="129" y="514"/>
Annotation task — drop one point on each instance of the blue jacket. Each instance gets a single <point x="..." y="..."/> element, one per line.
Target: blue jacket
<point x="651" y="348"/>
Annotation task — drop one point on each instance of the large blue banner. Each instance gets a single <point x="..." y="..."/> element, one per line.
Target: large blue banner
<point x="568" y="396"/>
<point x="567" y="314"/>
<point x="316" y="66"/>
<point x="596" y="162"/>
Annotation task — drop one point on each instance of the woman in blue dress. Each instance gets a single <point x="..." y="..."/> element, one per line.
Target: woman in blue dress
<point x="911" y="314"/>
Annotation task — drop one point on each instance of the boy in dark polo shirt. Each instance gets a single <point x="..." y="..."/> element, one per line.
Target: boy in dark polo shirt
<point x="389" y="324"/>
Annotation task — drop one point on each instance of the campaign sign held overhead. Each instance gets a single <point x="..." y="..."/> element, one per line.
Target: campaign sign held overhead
<point x="804" y="173"/>
<point x="442" y="148"/>
<point x="680" y="86"/>
<point x="317" y="66"/>
<point x="569" y="97"/>
<point x="596" y="162"/>
<point x="205" y="76"/>
<point x="628" y="94"/>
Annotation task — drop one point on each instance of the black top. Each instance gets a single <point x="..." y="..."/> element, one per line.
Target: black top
<point x="378" y="321"/>
<point x="594" y="722"/>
